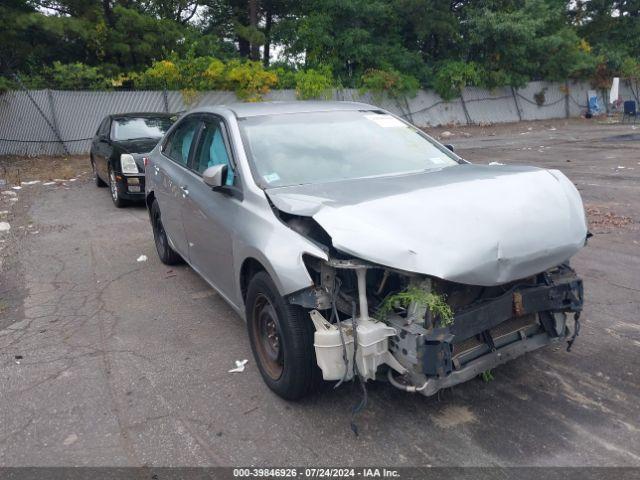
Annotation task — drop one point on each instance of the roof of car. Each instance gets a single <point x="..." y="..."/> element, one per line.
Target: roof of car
<point x="141" y="114"/>
<point x="243" y="110"/>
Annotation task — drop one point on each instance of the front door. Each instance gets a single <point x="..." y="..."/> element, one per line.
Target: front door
<point x="209" y="215"/>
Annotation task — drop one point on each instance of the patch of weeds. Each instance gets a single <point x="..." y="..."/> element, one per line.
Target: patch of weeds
<point x="435" y="303"/>
<point x="3" y="305"/>
<point x="487" y="376"/>
<point x="14" y="169"/>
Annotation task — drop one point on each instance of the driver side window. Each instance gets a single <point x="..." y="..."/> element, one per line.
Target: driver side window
<point x="213" y="149"/>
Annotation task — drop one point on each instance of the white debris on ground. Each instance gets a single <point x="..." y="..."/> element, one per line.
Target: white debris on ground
<point x="70" y="440"/>
<point x="239" y="366"/>
<point x="31" y="182"/>
<point x="446" y="134"/>
<point x="495" y="163"/>
<point x="142" y="258"/>
<point x="5" y="227"/>
<point x="48" y="183"/>
<point x="13" y="196"/>
<point x="17" y="187"/>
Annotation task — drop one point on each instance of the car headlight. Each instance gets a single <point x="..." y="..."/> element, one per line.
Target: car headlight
<point x="128" y="164"/>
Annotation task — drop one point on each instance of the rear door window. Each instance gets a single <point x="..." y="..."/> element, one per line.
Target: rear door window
<point x="179" y="143"/>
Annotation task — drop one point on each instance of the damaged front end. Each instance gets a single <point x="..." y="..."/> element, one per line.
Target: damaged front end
<point x="429" y="333"/>
<point x="437" y="276"/>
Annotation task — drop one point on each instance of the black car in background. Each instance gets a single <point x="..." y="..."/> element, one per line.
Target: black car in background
<point x="118" y="149"/>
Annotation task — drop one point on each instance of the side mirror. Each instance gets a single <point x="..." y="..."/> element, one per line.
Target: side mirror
<point x="215" y="176"/>
<point x="450" y="147"/>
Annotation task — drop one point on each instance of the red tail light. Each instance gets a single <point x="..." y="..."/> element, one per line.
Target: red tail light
<point x="145" y="161"/>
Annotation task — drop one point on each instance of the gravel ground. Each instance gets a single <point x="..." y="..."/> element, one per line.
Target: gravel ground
<point x="107" y="361"/>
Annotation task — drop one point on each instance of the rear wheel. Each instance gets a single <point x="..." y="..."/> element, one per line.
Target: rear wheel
<point x="99" y="182"/>
<point x="281" y="337"/>
<point x="167" y="255"/>
<point x="116" y="196"/>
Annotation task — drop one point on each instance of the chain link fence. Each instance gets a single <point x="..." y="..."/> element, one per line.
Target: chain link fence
<point x="51" y="122"/>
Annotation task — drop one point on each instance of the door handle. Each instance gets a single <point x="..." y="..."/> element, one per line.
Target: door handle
<point x="184" y="190"/>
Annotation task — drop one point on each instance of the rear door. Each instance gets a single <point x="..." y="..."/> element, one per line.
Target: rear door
<point x="172" y="178"/>
<point x="209" y="216"/>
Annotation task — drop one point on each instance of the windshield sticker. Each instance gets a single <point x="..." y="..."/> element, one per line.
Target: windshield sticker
<point x="385" y="121"/>
<point x="271" y="177"/>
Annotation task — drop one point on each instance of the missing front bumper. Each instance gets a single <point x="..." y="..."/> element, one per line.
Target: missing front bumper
<point x="488" y="334"/>
<point x="486" y="362"/>
<point x="488" y="328"/>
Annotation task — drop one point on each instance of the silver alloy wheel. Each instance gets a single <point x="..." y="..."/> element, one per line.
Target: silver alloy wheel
<point x="113" y="185"/>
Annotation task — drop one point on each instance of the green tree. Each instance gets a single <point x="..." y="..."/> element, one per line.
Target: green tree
<point x="518" y="41"/>
<point x="373" y="44"/>
<point x="350" y="37"/>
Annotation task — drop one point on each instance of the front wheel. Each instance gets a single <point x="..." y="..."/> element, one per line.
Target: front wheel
<point x="118" y="201"/>
<point x="281" y="337"/>
<point x="167" y="255"/>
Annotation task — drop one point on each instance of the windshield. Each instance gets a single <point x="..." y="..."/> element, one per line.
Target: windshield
<point x="300" y="148"/>
<point x="141" y="127"/>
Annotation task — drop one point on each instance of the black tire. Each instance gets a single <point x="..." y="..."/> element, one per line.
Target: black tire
<point x="167" y="255"/>
<point x="289" y="369"/>
<point x="99" y="182"/>
<point x="115" y="189"/>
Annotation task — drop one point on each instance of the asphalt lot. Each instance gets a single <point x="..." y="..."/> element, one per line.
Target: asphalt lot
<point x="105" y="360"/>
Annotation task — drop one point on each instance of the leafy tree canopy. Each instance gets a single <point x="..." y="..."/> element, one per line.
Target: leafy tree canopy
<point x="387" y="46"/>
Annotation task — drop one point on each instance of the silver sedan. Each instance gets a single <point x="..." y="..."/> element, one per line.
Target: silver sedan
<point x="354" y="245"/>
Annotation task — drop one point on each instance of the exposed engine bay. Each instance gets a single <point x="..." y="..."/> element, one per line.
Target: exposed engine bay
<point x="424" y="334"/>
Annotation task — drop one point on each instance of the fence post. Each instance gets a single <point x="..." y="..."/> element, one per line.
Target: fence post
<point x="464" y="108"/>
<point x="165" y="97"/>
<point x="515" y="100"/>
<point x="409" y="113"/>
<point x="567" y="108"/>
<point x="46" y="119"/>
<point x="54" y="119"/>
<point x="404" y="114"/>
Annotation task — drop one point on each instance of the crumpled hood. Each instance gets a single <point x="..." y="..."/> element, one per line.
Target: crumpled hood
<point x="472" y="224"/>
